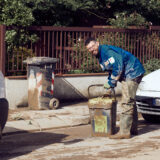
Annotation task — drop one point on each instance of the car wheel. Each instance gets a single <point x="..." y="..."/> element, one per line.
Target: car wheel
<point x="151" y="118"/>
<point x="4" y="106"/>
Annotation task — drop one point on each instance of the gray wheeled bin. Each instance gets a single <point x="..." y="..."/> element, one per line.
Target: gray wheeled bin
<point x="41" y="83"/>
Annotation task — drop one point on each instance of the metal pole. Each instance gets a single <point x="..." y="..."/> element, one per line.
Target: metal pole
<point x="2" y="48"/>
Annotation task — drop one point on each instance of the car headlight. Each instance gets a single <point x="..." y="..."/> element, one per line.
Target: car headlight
<point x="156" y="102"/>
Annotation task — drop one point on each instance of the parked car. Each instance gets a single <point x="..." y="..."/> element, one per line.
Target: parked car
<point x="4" y="106"/>
<point x="148" y="97"/>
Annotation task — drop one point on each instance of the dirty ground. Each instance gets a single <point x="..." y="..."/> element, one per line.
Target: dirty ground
<point x="76" y="143"/>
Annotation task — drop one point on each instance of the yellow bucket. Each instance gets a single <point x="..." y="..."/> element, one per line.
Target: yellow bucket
<point x="103" y="115"/>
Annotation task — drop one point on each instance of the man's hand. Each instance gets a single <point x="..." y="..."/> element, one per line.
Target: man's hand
<point x="107" y="86"/>
<point x="108" y="92"/>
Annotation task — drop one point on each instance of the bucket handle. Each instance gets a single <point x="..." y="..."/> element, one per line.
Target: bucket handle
<point x="101" y="85"/>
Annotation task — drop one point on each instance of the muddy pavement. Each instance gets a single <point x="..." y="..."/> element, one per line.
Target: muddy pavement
<point x="76" y="143"/>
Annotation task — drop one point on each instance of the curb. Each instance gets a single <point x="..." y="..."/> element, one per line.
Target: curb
<point x="43" y="120"/>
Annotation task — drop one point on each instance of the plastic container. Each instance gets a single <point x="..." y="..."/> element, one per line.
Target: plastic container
<point x="41" y="83"/>
<point x="103" y="115"/>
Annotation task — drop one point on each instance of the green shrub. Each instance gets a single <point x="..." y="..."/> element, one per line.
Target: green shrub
<point x="15" y="60"/>
<point x="83" y="61"/>
<point x="151" y="65"/>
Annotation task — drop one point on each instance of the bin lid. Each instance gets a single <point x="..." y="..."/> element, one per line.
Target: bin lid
<point x="101" y="102"/>
<point x="40" y="60"/>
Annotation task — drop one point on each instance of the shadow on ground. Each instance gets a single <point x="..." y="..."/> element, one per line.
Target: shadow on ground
<point x="15" y="145"/>
<point x="145" y="127"/>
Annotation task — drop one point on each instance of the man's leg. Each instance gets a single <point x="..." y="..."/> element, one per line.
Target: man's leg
<point x="134" y="128"/>
<point x="127" y="118"/>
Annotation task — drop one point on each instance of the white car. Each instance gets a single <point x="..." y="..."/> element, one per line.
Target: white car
<point x="3" y="104"/>
<point x="148" y="97"/>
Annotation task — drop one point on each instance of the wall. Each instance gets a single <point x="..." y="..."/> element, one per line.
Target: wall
<point x="16" y="92"/>
<point x="65" y="88"/>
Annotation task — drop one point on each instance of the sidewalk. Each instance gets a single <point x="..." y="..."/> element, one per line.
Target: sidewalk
<point x="38" y="120"/>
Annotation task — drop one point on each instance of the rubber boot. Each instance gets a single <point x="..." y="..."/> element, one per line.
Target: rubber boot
<point x="134" y="128"/>
<point x="125" y="127"/>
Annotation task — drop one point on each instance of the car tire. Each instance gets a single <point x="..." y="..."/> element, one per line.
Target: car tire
<point x="4" y="106"/>
<point x="151" y="118"/>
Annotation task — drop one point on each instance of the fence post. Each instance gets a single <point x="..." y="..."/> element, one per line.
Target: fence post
<point x="2" y="48"/>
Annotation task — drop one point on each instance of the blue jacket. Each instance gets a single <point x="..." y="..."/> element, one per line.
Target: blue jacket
<point x="122" y="64"/>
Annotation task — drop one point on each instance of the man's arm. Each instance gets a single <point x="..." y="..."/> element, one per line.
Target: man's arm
<point x="114" y="76"/>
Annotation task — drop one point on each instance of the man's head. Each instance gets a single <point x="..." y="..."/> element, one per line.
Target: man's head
<point x="92" y="46"/>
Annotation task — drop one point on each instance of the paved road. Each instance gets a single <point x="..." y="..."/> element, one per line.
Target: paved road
<point x="76" y="143"/>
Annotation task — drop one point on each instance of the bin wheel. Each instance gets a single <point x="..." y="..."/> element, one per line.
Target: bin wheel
<point x="54" y="103"/>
